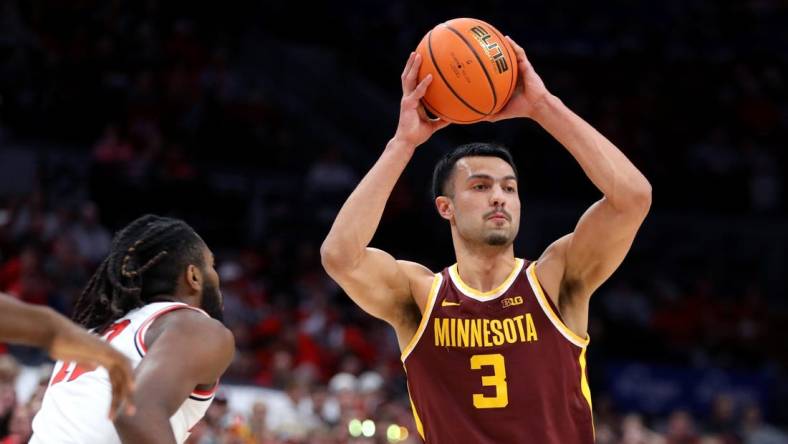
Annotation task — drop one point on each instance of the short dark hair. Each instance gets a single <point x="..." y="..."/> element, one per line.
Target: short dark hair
<point x="144" y="261"/>
<point x="445" y="166"/>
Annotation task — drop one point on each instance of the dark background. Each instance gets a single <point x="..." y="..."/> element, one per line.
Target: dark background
<point x="253" y="121"/>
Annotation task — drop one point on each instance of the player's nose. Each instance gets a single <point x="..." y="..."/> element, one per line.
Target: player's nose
<point x="497" y="197"/>
<point x="497" y="202"/>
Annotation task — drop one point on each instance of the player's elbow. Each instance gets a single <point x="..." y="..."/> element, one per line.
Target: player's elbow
<point x="149" y="425"/>
<point x="637" y="198"/>
<point x="334" y="258"/>
<point x="642" y="196"/>
<point x="228" y="346"/>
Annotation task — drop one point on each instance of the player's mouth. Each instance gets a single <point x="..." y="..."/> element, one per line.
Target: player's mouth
<point x="498" y="216"/>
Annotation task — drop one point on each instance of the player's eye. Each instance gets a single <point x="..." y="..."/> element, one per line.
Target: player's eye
<point x="480" y="186"/>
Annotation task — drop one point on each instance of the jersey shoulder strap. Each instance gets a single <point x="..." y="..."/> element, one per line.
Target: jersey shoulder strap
<point x="139" y="336"/>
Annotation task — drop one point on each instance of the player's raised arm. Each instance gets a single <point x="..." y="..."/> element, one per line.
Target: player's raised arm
<point x="373" y="278"/>
<point x="186" y="350"/>
<point x="577" y="264"/>
<point x="41" y="326"/>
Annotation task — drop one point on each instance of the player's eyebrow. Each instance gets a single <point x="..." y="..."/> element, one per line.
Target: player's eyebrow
<point x="489" y="177"/>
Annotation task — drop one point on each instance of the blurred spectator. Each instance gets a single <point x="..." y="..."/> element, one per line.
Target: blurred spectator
<point x="7" y="405"/>
<point x="755" y="431"/>
<point x="722" y="422"/>
<point x="68" y="271"/>
<point x="633" y="431"/>
<point x="257" y="422"/>
<point x="681" y="429"/>
<point x="92" y="239"/>
<point x="112" y="148"/>
<point x="20" y="428"/>
<point x="9" y="370"/>
<point x="328" y="182"/>
<point x="330" y="175"/>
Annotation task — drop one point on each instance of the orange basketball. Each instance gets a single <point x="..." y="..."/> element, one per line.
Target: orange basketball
<point x="473" y="67"/>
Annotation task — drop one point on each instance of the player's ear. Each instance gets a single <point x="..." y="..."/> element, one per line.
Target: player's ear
<point x="445" y="207"/>
<point x="194" y="277"/>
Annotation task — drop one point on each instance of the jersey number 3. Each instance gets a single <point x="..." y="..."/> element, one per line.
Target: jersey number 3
<point x="73" y="370"/>
<point x="497" y="380"/>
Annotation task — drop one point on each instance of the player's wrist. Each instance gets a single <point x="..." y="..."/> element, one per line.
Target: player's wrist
<point x="400" y="144"/>
<point x="544" y="106"/>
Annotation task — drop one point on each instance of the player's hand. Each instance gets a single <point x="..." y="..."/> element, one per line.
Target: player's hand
<point x="414" y="126"/>
<point x="528" y="93"/>
<point x="71" y="343"/>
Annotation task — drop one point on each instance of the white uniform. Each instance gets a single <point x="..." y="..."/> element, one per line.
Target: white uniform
<point x="76" y="404"/>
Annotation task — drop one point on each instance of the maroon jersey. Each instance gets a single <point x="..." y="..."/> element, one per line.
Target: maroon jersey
<point x="497" y="366"/>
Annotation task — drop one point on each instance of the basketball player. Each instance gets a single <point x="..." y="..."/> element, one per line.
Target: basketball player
<point x="156" y="299"/>
<point x="40" y="326"/>
<point x="493" y="346"/>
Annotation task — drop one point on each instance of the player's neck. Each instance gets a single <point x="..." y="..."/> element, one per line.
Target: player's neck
<point x="185" y="294"/>
<point x="163" y="298"/>
<point x="484" y="268"/>
<point x="177" y="297"/>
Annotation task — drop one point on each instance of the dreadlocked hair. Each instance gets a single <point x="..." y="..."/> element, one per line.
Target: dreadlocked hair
<point x="144" y="262"/>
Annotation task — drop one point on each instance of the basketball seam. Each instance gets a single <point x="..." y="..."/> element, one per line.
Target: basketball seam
<point x="433" y="110"/>
<point x="440" y="73"/>
<point x="512" y="77"/>
<point x="481" y="65"/>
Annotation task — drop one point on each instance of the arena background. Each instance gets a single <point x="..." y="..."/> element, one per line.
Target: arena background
<point x="254" y="120"/>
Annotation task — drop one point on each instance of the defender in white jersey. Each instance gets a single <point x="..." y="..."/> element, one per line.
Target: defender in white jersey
<point x="155" y="299"/>
<point x="40" y="326"/>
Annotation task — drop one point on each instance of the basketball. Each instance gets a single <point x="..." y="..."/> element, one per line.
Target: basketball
<point x="473" y="67"/>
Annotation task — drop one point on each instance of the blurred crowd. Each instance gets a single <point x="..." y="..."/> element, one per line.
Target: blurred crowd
<point x="330" y="364"/>
<point x="169" y="86"/>
<point x="356" y="410"/>
<point x="152" y="106"/>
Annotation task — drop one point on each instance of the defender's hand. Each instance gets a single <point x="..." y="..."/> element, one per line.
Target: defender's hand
<point x="71" y="343"/>
<point x="414" y="126"/>
<point x="528" y="93"/>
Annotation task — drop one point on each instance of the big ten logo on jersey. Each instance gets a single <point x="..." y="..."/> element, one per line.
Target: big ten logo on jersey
<point x="72" y="370"/>
<point x="509" y="302"/>
<point x="493" y="50"/>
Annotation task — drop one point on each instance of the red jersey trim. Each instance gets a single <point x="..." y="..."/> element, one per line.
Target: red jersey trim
<point x="204" y="395"/>
<point x="565" y="331"/>
<point x="139" y="337"/>
<point x="425" y="317"/>
<point x="208" y="392"/>
<point x="142" y="349"/>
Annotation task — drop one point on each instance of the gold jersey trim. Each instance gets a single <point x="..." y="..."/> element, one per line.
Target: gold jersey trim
<point x="425" y="317"/>
<point x="473" y="293"/>
<point x="584" y="387"/>
<point x="565" y="331"/>
<point x="417" y="420"/>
